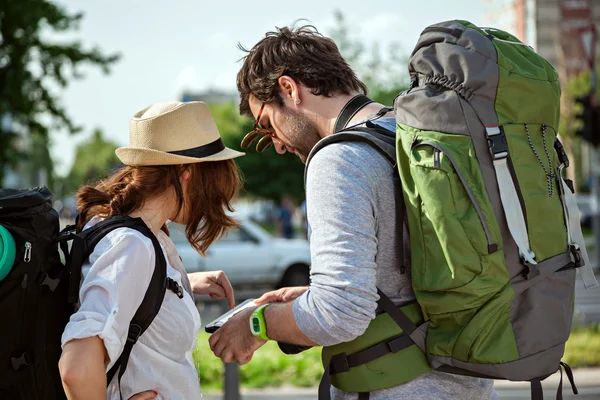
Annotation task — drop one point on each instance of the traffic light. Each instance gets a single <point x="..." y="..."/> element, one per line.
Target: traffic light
<point x="590" y="119"/>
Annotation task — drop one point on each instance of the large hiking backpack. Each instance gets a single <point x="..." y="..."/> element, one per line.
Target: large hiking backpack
<point x="495" y="231"/>
<point x="39" y="293"/>
<point x="495" y="237"/>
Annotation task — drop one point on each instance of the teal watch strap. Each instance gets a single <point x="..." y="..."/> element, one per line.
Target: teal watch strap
<point x="258" y="327"/>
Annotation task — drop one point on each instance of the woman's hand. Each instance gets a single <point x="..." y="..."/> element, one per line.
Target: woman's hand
<point x="214" y="283"/>
<point x="282" y="295"/>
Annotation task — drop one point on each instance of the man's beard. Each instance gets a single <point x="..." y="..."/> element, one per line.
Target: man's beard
<point x="303" y="133"/>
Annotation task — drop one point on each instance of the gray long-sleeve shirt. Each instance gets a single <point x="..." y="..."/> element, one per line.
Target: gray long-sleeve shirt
<point x="351" y="214"/>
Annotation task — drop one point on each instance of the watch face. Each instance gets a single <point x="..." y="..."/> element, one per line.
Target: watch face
<point x="255" y="326"/>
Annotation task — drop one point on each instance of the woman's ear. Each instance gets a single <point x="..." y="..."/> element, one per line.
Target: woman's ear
<point x="186" y="175"/>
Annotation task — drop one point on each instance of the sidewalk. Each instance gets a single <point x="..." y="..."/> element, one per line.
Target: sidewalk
<point x="587" y="381"/>
<point x="584" y="377"/>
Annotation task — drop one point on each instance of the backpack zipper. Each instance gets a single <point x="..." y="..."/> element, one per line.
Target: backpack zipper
<point x="27" y="256"/>
<point x="437" y="149"/>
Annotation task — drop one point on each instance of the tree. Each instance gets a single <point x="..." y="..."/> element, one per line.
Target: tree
<point x="30" y="65"/>
<point x="569" y="124"/>
<point x="385" y="77"/>
<point x="94" y="159"/>
<point x="267" y="175"/>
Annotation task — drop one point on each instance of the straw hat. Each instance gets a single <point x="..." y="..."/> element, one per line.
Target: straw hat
<point x="174" y="133"/>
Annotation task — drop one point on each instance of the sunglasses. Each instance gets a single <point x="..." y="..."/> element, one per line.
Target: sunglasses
<point x="267" y="136"/>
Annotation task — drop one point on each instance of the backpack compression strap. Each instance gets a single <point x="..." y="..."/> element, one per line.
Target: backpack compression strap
<point x="514" y="213"/>
<point x="508" y="193"/>
<point x="577" y="246"/>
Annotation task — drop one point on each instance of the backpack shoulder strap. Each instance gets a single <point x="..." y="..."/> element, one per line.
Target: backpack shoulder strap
<point x="383" y="141"/>
<point x="84" y="244"/>
<point x="356" y="104"/>
<point x="375" y="136"/>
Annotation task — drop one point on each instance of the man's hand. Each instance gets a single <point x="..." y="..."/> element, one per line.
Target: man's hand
<point x="233" y="342"/>
<point x="147" y="395"/>
<point x="282" y="295"/>
<point x="214" y="283"/>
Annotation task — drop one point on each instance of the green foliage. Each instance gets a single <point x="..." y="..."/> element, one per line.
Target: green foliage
<point x="267" y="175"/>
<point x="94" y="159"/>
<point x="384" y="73"/>
<point x="30" y="65"/>
<point x="576" y="87"/>
<point x="583" y="347"/>
<point x="269" y="367"/>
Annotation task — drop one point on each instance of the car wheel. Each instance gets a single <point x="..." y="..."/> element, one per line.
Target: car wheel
<point x="296" y="275"/>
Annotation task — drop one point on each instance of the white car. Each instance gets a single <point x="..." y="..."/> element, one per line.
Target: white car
<point x="249" y="256"/>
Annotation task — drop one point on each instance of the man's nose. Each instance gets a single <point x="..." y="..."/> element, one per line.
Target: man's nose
<point x="279" y="146"/>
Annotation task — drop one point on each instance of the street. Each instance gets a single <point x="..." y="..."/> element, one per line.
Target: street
<point x="587" y="302"/>
<point x="592" y="393"/>
<point x="587" y="381"/>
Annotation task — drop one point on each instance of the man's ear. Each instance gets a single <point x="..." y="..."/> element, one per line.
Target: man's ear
<point x="289" y="90"/>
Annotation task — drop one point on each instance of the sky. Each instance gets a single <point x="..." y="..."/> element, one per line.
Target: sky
<point x="170" y="46"/>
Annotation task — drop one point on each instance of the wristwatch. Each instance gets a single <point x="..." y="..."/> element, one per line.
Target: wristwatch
<point x="258" y="327"/>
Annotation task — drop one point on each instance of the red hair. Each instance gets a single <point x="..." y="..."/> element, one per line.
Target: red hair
<point x="210" y="191"/>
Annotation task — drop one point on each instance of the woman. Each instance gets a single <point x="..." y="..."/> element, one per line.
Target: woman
<point x="177" y="169"/>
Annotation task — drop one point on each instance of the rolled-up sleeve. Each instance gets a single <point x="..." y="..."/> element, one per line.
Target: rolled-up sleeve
<point x="342" y="298"/>
<point x="121" y="268"/>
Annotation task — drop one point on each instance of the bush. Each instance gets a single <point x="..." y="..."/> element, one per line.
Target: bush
<point x="269" y="367"/>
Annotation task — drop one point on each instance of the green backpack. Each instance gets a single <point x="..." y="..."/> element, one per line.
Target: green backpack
<point x="495" y="237"/>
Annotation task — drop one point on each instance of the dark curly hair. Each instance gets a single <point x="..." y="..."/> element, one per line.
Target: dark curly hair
<point x="303" y="54"/>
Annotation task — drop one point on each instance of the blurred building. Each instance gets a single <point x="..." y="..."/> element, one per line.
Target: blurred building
<point x="211" y="96"/>
<point x="549" y="26"/>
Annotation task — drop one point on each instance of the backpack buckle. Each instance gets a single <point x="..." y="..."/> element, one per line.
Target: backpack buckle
<point x="339" y="363"/>
<point x="562" y="154"/>
<point x="175" y="287"/>
<point x="135" y="331"/>
<point x="576" y="255"/>
<point x="531" y="270"/>
<point x="52" y="283"/>
<point x="496" y="142"/>
<point x="22" y="361"/>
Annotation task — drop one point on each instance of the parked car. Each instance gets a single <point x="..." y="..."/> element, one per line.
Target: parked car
<point x="250" y="256"/>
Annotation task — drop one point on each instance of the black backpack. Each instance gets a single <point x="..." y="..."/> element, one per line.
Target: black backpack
<point x="39" y="294"/>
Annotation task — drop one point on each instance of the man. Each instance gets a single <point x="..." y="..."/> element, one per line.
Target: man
<point x="285" y="229"/>
<point x="296" y="83"/>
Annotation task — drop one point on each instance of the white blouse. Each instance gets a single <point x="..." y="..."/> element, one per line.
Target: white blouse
<point x="120" y="270"/>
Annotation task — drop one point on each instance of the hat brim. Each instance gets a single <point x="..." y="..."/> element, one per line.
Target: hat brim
<point x="136" y="156"/>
